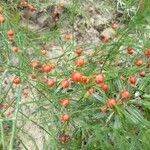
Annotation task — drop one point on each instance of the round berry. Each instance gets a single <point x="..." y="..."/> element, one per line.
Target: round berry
<point x="132" y="80"/>
<point x="51" y="82"/>
<point x="111" y="103"/>
<point x="139" y="63"/>
<point x="10" y="33"/>
<point x="99" y="79"/>
<point x="105" y="87"/>
<point x="16" y="80"/>
<point x="65" y="83"/>
<point x="65" y="117"/>
<point x="47" y="68"/>
<point x="76" y="77"/>
<point x="125" y="94"/>
<point x="65" y="102"/>
<point x="79" y="51"/>
<point x="80" y="62"/>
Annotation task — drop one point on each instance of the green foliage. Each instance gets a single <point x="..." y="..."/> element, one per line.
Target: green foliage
<point x="122" y="127"/>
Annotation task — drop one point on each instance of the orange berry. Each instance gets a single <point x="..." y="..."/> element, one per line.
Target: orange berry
<point x="125" y="94"/>
<point x="139" y="63"/>
<point x="65" y="117"/>
<point x="80" y="62"/>
<point x="132" y="80"/>
<point x="65" y="83"/>
<point x="16" y="80"/>
<point x="51" y="82"/>
<point x="79" y="51"/>
<point x="111" y="103"/>
<point x="130" y="50"/>
<point x="76" y="77"/>
<point x="47" y="68"/>
<point x="105" y="87"/>
<point x="99" y="79"/>
<point x="11" y="33"/>
<point x="65" y="102"/>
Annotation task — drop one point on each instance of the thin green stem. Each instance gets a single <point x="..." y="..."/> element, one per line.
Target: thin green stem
<point x="15" y="120"/>
<point x="3" y="136"/>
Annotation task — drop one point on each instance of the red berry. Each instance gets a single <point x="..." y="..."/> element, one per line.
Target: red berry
<point x="125" y="94"/>
<point x="139" y="63"/>
<point x="65" y="83"/>
<point x="65" y="102"/>
<point x="80" y="62"/>
<point x="132" y="80"/>
<point x="47" y="68"/>
<point x="76" y="77"/>
<point x="99" y="79"/>
<point x="51" y="82"/>
<point x="130" y="50"/>
<point x="10" y="33"/>
<point x="16" y="80"/>
<point x="79" y="51"/>
<point x="111" y="103"/>
<point x="105" y="87"/>
<point x="65" y="117"/>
